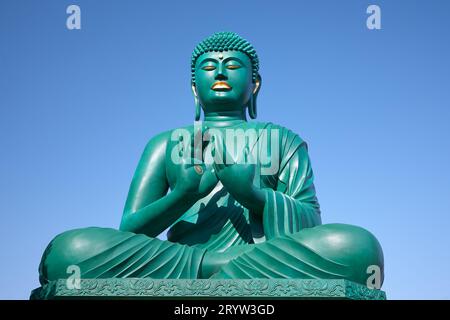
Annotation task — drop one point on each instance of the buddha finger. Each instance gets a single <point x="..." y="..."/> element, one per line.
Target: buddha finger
<point x="230" y="159"/>
<point x="247" y="156"/>
<point x="196" y="146"/>
<point x="181" y="146"/>
<point x="217" y="151"/>
<point x="218" y="164"/>
<point x="200" y="143"/>
<point x="206" y="140"/>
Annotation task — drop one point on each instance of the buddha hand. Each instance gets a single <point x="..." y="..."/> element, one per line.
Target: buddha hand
<point x="236" y="175"/>
<point x="194" y="179"/>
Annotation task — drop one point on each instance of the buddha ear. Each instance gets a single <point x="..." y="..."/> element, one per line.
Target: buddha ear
<point x="198" y="107"/>
<point x="252" y="102"/>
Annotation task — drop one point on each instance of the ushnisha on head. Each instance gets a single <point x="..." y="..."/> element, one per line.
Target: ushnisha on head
<point x="225" y="76"/>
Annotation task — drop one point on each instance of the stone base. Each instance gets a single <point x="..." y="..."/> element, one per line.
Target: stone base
<point x="208" y="289"/>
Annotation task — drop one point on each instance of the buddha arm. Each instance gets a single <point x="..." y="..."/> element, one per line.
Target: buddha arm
<point x="149" y="209"/>
<point x="293" y="205"/>
<point x="285" y="205"/>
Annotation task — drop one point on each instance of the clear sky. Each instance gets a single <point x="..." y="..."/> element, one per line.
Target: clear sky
<point x="78" y="106"/>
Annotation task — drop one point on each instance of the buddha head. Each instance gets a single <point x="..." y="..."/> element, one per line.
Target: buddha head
<point x="225" y="78"/>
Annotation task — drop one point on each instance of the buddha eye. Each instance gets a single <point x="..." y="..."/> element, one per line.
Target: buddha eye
<point x="233" y="67"/>
<point x="209" y="68"/>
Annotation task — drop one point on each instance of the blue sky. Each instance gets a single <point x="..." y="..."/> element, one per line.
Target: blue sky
<point x="77" y="107"/>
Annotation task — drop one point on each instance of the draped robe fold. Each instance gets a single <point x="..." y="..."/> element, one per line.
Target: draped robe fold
<point x="286" y="240"/>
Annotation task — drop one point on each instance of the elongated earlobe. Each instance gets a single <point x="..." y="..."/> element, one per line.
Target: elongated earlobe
<point x="252" y="110"/>
<point x="198" y="107"/>
<point x="252" y="107"/>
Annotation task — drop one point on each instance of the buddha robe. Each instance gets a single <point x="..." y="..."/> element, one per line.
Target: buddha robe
<point x="286" y="240"/>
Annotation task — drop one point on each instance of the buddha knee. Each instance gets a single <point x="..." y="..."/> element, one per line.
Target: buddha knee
<point x="350" y="246"/>
<point x="70" y="248"/>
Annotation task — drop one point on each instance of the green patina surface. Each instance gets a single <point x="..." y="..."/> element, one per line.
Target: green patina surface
<point x="214" y="289"/>
<point x="226" y="221"/>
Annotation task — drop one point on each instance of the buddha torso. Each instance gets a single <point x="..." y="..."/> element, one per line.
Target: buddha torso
<point x="242" y="220"/>
<point x="217" y="221"/>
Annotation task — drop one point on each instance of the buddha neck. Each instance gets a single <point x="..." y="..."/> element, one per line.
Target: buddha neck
<point x="225" y="118"/>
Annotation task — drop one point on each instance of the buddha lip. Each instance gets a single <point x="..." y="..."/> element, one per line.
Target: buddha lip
<point x="221" y="86"/>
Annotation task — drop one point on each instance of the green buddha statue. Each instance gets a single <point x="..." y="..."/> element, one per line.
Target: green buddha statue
<point x="226" y="217"/>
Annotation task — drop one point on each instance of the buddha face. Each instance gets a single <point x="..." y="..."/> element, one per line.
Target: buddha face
<point x="223" y="81"/>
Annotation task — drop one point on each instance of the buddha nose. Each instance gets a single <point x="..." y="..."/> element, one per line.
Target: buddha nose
<point x="221" y="74"/>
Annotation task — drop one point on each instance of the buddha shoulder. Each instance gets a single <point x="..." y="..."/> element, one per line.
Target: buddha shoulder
<point x="285" y="135"/>
<point x="160" y="142"/>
